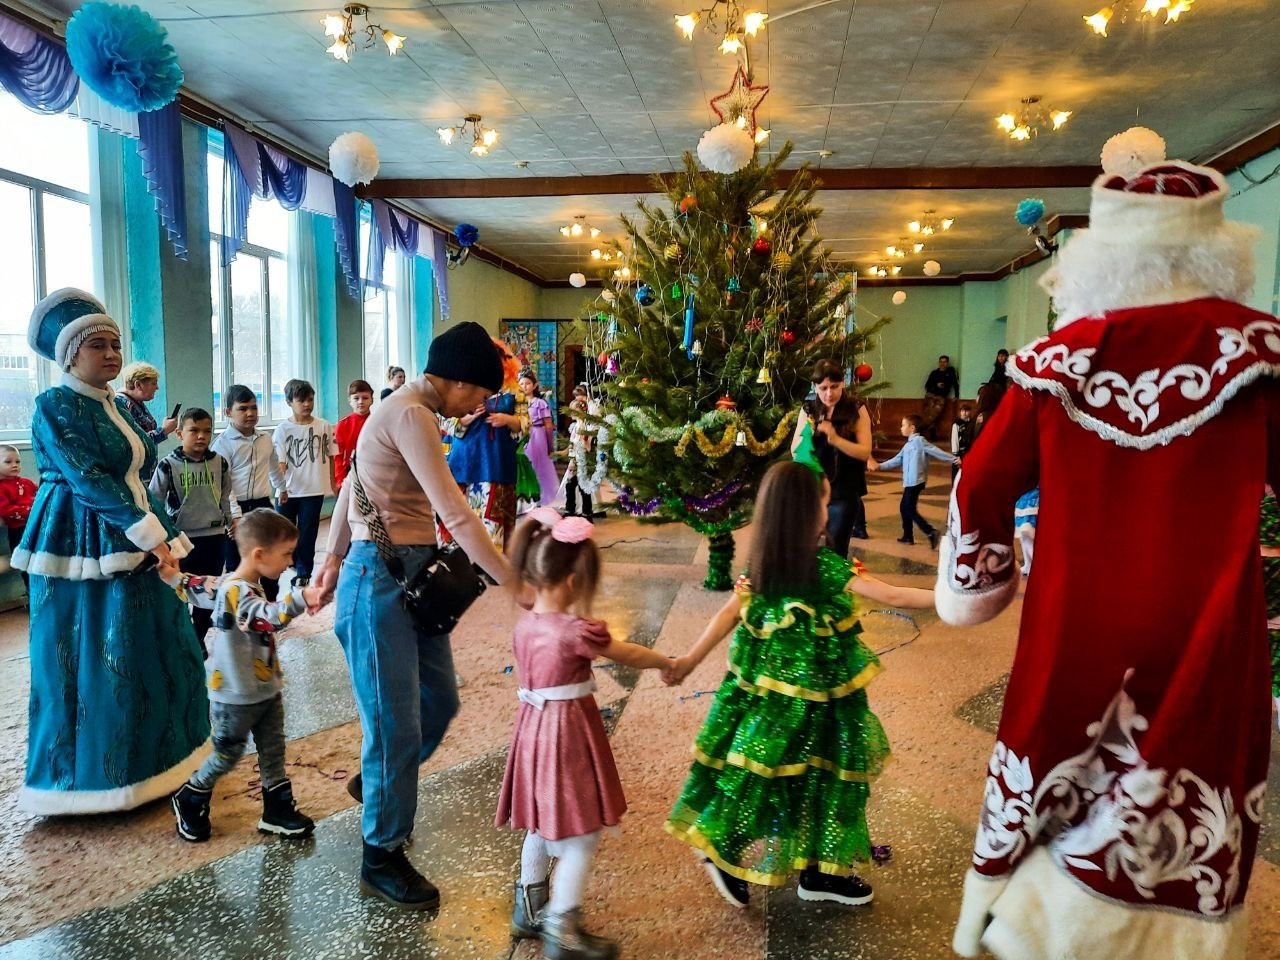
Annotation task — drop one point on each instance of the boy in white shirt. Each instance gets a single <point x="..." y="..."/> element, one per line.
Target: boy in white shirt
<point x="255" y="470"/>
<point x="305" y="449"/>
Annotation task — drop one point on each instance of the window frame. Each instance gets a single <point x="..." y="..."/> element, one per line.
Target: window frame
<point x="45" y="371"/>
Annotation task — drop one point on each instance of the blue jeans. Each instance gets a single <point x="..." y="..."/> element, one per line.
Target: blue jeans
<point x="405" y="688"/>
<point x="305" y="513"/>
<point x="844" y="519"/>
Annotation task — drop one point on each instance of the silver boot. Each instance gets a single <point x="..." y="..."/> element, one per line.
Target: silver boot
<point x="526" y="917"/>
<point x="564" y="939"/>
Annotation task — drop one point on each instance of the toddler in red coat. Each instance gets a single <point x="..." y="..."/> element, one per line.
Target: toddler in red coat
<point x="16" y="496"/>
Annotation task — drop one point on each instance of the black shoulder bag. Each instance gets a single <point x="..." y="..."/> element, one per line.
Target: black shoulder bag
<point x="441" y="591"/>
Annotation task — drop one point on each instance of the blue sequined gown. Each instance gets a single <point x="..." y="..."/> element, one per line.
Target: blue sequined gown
<point x="118" y="713"/>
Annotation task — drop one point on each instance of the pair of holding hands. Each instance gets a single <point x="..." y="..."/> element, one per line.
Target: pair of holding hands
<point x="508" y="421"/>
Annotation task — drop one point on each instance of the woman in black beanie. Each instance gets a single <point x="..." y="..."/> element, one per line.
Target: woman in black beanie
<point x="404" y="683"/>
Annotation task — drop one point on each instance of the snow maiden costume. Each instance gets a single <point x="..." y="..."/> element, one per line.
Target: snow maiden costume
<point x="1125" y="793"/>
<point x="118" y="714"/>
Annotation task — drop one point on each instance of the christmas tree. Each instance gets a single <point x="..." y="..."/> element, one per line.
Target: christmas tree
<point x="725" y="302"/>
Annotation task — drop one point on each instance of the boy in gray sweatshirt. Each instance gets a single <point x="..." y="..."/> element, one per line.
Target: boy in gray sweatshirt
<point x="193" y="484"/>
<point x="244" y="677"/>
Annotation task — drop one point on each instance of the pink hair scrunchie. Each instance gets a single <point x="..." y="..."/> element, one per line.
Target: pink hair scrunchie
<point x="563" y="529"/>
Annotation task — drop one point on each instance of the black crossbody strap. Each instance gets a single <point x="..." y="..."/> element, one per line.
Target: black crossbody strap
<point x="376" y="528"/>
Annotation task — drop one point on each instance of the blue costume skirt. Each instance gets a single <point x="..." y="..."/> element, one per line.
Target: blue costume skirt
<point x="118" y="711"/>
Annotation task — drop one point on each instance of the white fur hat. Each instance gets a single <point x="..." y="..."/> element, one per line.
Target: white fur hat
<point x="1165" y="204"/>
<point x="61" y="322"/>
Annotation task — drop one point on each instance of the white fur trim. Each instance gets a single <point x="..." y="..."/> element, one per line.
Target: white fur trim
<point x="148" y="533"/>
<point x="41" y="311"/>
<point x="90" y="568"/>
<point x="1157" y="219"/>
<point x="75" y="333"/>
<point x="55" y="803"/>
<point x="968" y="607"/>
<point x="1040" y="913"/>
<point x="980" y="892"/>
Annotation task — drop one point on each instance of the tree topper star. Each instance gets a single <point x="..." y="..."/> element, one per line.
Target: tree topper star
<point x="740" y="100"/>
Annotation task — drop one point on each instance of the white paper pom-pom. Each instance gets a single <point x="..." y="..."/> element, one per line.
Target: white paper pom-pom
<point x="726" y="148"/>
<point x="353" y="159"/>
<point x="577" y="280"/>
<point x="1126" y="154"/>
<point x="932" y="268"/>
<point x="609" y="296"/>
<point x="899" y="297"/>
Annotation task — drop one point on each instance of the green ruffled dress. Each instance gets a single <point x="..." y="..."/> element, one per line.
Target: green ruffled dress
<point x="1269" y="536"/>
<point x="784" y="761"/>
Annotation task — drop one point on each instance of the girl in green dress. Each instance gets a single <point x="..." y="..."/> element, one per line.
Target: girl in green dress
<point x="784" y="761"/>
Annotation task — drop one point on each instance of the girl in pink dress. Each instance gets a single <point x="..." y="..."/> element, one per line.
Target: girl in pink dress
<point x="561" y="783"/>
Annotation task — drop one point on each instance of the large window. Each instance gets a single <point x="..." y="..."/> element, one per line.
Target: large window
<point x="46" y="241"/>
<point x="382" y="345"/>
<point x="250" y="300"/>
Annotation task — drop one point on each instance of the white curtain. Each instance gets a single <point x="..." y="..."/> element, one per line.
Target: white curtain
<point x="402" y="351"/>
<point x="304" y="307"/>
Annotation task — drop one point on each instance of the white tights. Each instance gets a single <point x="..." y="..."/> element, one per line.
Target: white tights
<point x="574" y="854"/>
<point x="1027" y="537"/>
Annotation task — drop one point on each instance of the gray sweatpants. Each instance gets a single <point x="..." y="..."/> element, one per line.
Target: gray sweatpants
<point x="232" y="724"/>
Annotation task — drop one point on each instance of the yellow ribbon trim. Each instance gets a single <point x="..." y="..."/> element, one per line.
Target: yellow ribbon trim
<point x="823" y="629"/>
<point x="787" y="770"/>
<point x="766" y="683"/>
<point x="691" y="836"/>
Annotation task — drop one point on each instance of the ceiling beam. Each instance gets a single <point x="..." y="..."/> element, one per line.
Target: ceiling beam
<point x="885" y="178"/>
<point x="1250" y="149"/>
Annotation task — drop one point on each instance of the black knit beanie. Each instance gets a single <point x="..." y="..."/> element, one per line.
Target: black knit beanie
<point x="466" y="353"/>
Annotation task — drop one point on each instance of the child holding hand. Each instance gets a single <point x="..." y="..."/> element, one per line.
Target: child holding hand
<point x="561" y="784"/>
<point x="17" y="493"/>
<point x="784" y="760"/>
<point x="913" y="458"/>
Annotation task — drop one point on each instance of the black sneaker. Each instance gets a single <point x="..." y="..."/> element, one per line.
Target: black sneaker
<point x="816" y="885"/>
<point x="280" y="815"/>
<point x="191" y="813"/>
<point x="933" y="539"/>
<point x="388" y="875"/>
<point x="735" y="891"/>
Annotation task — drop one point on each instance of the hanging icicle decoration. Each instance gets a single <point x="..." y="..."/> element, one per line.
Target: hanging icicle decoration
<point x="688" y="327"/>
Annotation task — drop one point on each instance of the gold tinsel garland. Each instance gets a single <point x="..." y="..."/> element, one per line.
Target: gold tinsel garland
<point x="715" y="449"/>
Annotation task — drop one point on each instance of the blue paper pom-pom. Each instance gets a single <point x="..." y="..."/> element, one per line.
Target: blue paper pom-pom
<point x="124" y="56"/>
<point x="466" y="233"/>
<point x="1029" y="212"/>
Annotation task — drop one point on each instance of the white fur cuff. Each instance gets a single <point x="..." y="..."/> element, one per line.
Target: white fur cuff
<point x="965" y="608"/>
<point x="148" y="533"/>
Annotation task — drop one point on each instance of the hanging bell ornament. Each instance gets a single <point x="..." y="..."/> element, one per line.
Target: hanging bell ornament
<point x="761" y="246"/>
<point x="741" y="439"/>
<point x="676" y="292"/>
<point x="765" y="376"/>
<point x="781" y="260"/>
<point x="696" y="349"/>
<point x="735" y="285"/>
<point x="840" y="311"/>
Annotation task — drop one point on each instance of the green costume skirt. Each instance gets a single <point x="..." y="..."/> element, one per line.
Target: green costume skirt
<point x="527" y="486"/>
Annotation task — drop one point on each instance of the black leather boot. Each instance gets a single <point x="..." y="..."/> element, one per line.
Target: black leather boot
<point x="389" y="875"/>
<point x="526" y="917"/>
<point x="191" y="813"/>
<point x="564" y="939"/>
<point x="280" y="814"/>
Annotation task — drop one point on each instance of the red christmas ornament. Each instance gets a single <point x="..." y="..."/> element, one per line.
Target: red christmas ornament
<point x="862" y="372"/>
<point x="788" y="337"/>
<point x="726" y="403"/>
<point x="755" y="325"/>
<point x="602" y="359"/>
<point x="688" y="202"/>
<point x="761" y="247"/>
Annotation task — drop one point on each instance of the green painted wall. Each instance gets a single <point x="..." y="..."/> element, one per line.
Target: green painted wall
<point x="1259" y="204"/>
<point x="485" y="294"/>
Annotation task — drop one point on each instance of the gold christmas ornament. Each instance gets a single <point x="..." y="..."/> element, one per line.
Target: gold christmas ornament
<point x="672" y="251"/>
<point x="765" y="376"/>
<point x="781" y="260"/>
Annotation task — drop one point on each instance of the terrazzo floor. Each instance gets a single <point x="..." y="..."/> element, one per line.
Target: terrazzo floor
<point x="125" y="886"/>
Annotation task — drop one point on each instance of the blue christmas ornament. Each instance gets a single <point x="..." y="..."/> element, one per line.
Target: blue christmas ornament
<point x="1029" y="212"/>
<point x="688" y="326"/>
<point x="467" y="234"/>
<point x="735" y="286"/>
<point x="645" y="295"/>
<point x="124" y="56"/>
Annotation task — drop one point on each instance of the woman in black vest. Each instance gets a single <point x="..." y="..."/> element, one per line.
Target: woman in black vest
<point x="842" y="441"/>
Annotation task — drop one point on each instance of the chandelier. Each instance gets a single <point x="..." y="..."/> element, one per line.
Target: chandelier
<point x="929" y="223"/>
<point x="904" y="248"/>
<point x="607" y="255"/>
<point x="578" y="227"/>
<point x="482" y="138"/>
<point x="737" y="25"/>
<point x="1124" y="9"/>
<point x="881" y="271"/>
<point x="1030" y="118"/>
<point x="341" y="27"/>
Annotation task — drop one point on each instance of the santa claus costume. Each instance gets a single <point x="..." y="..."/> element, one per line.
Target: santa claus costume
<point x="1125" y="792"/>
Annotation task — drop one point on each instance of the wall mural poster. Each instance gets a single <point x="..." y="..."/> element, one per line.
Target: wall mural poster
<point x="535" y="344"/>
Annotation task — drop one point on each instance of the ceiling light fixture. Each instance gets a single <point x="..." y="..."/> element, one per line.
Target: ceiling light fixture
<point x="1124" y="10"/>
<point x="579" y="226"/>
<point x="904" y="248"/>
<point x="736" y="24"/>
<point x="1030" y="118"/>
<point x="482" y="138"/>
<point x="929" y="223"/>
<point x="341" y="27"/>
<point x="881" y="271"/>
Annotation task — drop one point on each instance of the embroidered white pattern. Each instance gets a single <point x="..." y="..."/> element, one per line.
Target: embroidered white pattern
<point x="1152" y="826"/>
<point x="1139" y="400"/>
<point x="992" y="563"/>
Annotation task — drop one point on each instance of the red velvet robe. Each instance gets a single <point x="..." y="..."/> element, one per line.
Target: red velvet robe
<point x="1132" y="753"/>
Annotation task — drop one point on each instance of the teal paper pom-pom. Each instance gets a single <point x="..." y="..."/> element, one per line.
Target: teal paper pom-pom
<point x="124" y="56"/>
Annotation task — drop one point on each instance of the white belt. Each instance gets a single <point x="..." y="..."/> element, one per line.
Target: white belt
<point x="569" y="691"/>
